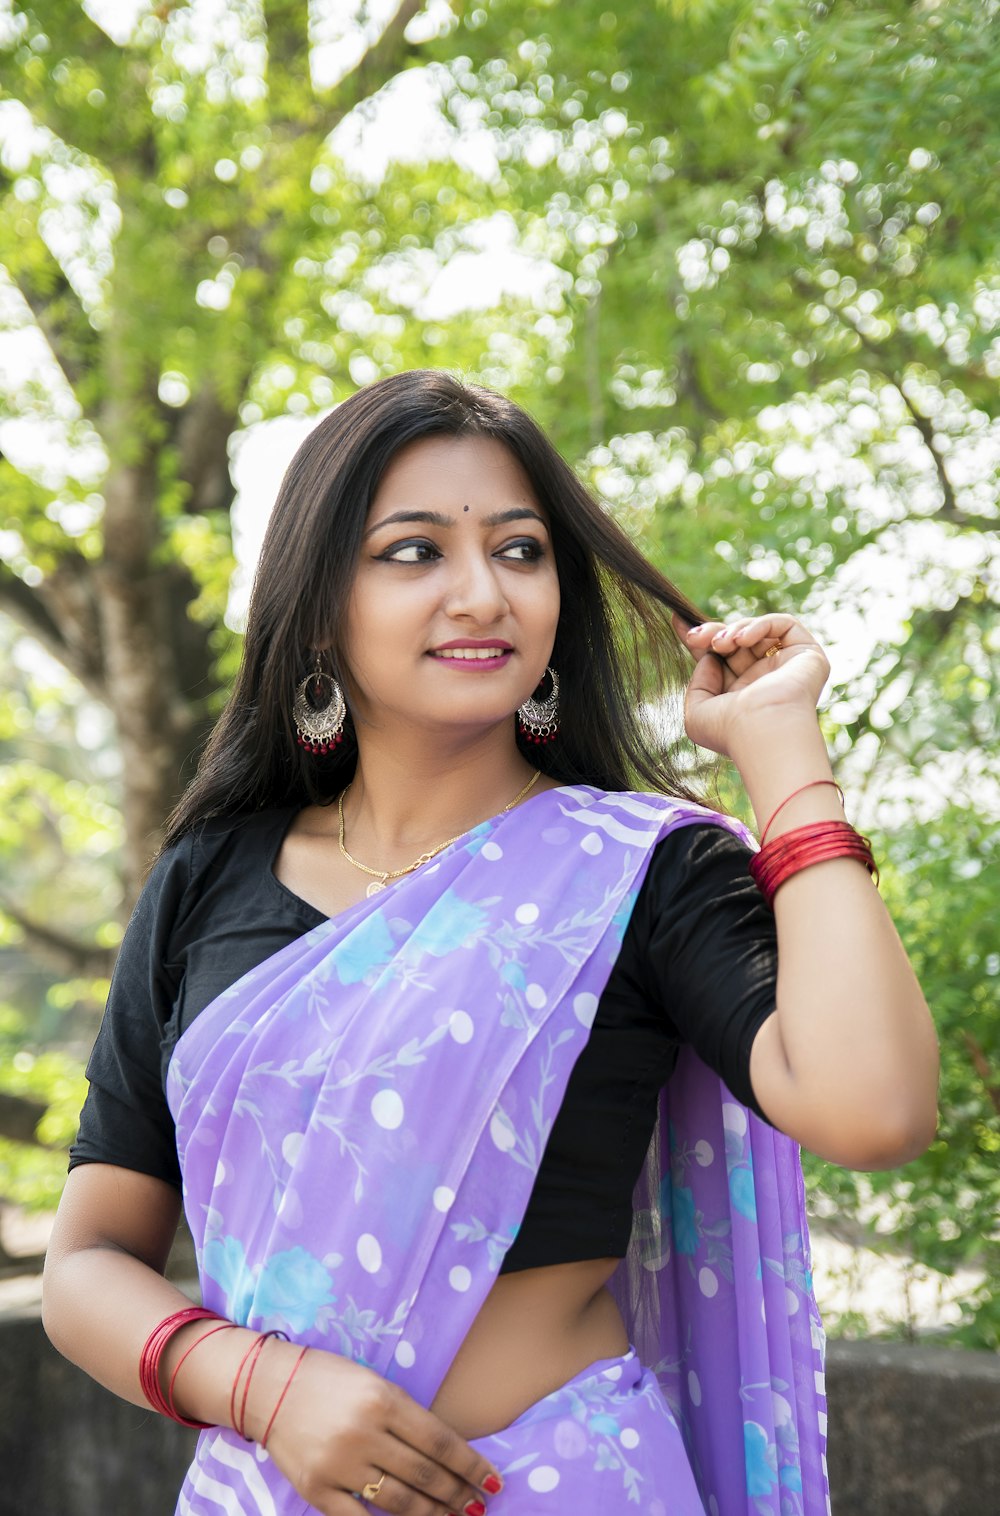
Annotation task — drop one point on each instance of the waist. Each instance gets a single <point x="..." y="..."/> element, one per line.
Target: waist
<point x="536" y="1329"/>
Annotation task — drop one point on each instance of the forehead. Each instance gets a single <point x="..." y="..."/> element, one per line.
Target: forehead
<point x="450" y="473"/>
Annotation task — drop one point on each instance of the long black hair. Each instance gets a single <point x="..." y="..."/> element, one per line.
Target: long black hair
<point x="615" y="646"/>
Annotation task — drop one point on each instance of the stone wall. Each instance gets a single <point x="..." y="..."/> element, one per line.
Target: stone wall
<point x="913" y="1432"/>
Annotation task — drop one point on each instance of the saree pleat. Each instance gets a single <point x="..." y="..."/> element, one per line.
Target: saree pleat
<point x="360" y="1120"/>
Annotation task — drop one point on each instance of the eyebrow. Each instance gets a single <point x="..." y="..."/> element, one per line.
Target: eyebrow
<point x="437" y="518"/>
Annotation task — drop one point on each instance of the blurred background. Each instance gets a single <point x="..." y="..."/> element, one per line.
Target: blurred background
<point x="739" y="259"/>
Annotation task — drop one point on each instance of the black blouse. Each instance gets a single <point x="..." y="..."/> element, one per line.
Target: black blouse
<point x="698" y="964"/>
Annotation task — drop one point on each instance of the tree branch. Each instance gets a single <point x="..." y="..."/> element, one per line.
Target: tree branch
<point x="62" y="614"/>
<point x="65" y="954"/>
<point x="19" y="1118"/>
<point x="981" y="1064"/>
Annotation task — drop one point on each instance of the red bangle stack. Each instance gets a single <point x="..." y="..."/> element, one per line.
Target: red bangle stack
<point x="152" y="1353"/>
<point x="804" y="846"/>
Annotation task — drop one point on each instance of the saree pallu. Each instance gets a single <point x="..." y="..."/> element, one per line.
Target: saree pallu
<point x="360" y="1120"/>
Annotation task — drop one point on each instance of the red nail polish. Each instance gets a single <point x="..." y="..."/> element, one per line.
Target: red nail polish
<point x="474" y="1508"/>
<point x="492" y="1485"/>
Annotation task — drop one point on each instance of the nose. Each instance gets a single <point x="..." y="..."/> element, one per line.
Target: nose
<point x="475" y="592"/>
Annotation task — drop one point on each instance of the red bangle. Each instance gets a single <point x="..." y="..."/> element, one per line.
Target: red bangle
<point x="253" y="1356"/>
<point x="813" y="783"/>
<point x="281" y="1397"/>
<point x="806" y="845"/>
<point x="152" y="1355"/>
<point x="226" y="1326"/>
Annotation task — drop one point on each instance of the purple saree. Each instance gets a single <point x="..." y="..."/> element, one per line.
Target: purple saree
<point x="360" y="1120"/>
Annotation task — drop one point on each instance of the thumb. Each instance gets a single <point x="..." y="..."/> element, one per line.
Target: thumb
<point x="707" y="681"/>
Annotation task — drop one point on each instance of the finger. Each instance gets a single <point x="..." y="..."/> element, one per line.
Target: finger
<point x="772" y="629"/>
<point x="396" y="1495"/>
<point x="417" y="1471"/>
<point x="710" y="638"/>
<point x="432" y="1437"/>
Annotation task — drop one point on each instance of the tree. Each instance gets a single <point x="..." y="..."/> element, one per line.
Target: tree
<point x="769" y="337"/>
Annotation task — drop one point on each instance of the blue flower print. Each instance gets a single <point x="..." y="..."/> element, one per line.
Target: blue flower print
<point x="604" y="1423"/>
<point x="294" y="1287"/>
<point x="368" y="947"/>
<point x="791" y="1477"/>
<point x="761" y="1459"/>
<point x="449" y="924"/>
<point x="741" y="1192"/>
<point x="224" y="1261"/>
<point x="677" y="1204"/>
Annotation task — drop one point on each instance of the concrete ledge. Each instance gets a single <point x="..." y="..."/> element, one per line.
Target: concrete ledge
<point x="913" y="1432"/>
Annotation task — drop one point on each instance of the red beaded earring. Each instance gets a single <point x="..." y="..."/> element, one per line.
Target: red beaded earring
<point x="538" y="720"/>
<point x="319" y="711"/>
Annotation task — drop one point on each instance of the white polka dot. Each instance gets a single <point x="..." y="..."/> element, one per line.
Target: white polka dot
<point x="460" y="1278"/>
<point x="694" y="1387"/>
<point x="526" y="913"/>
<point x="444" y="1198"/>
<point x="222" y="1172"/>
<point x="704" y="1153"/>
<point x="535" y="996"/>
<point x="404" y="1355"/>
<point x="461" y="1026"/>
<point x="763" y="1312"/>
<point x="503" y="1133"/>
<point x="585" y="1008"/>
<point x="713" y="1506"/>
<point x="491" y="851"/>
<point x="734" y="1118"/>
<point x="615" y="1372"/>
<point x="708" y="1284"/>
<point x="792" y="1301"/>
<point x="291" y="1145"/>
<point x="369" y="1253"/>
<point x="592" y="844"/>
<point x="387" y="1108"/>
<point x="630" y="1438"/>
<point x="543" y="1479"/>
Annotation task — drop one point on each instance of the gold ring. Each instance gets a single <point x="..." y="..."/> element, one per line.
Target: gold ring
<point x="770" y="652"/>
<point x="370" y="1491"/>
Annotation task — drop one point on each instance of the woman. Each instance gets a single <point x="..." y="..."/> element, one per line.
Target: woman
<point x="412" y="967"/>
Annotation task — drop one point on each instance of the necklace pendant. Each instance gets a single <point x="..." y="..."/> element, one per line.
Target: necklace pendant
<point x="375" y="886"/>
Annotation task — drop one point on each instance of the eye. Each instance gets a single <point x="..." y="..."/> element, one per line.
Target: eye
<point x="524" y="550"/>
<point x="416" y="550"/>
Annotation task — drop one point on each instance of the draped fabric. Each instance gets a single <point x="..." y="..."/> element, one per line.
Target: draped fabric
<point x="360" y="1120"/>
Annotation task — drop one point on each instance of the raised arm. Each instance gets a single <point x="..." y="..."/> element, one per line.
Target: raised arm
<point x="848" y="1065"/>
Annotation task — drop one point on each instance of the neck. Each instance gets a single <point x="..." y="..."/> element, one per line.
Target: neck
<point x="408" y="797"/>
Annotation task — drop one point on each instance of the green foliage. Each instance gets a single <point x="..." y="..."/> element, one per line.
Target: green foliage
<point x="768" y="334"/>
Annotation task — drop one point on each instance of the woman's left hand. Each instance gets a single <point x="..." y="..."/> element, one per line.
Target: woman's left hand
<point x="748" y="683"/>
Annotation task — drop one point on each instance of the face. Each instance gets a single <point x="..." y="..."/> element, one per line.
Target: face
<point x="453" y="611"/>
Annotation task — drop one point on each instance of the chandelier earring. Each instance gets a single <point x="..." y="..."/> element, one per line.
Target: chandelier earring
<point x="538" y="720"/>
<point x="319" y="711"/>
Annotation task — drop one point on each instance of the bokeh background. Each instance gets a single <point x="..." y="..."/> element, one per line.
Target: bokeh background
<point x="739" y="259"/>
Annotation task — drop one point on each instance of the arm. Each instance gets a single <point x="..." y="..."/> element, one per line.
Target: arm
<point x="341" y="1423"/>
<point x="848" y="1065"/>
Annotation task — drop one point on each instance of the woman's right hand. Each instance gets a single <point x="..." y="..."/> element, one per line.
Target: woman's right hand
<point x="341" y="1426"/>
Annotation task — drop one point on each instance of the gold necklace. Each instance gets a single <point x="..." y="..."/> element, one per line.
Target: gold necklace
<point x="382" y="876"/>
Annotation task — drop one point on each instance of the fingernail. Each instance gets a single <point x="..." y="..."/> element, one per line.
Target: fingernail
<point x="475" y="1508"/>
<point x="698" y="628"/>
<point x="492" y="1484"/>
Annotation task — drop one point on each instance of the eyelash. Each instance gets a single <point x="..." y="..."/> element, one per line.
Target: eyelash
<point x="536" y="551"/>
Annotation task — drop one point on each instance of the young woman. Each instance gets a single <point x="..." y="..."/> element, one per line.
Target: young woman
<point x="440" y="958"/>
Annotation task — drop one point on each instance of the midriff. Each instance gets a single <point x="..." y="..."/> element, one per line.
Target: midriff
<point x="536" y="1329"/>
